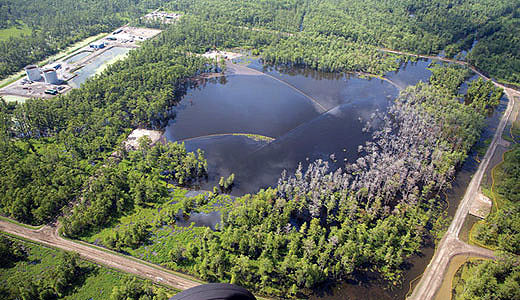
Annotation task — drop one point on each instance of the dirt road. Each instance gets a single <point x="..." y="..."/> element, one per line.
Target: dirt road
<point x="48" y="235"/>
<point x="431" y="280"/>
<point x="450" y="245"/>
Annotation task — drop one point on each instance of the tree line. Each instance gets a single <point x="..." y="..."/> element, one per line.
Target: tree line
<point x="50" y="148"/>
<point x="135" y="179"/>
<point x="54" y="27"/>
<point x="54" y="284"/>
<point x="62" y="279"/>
<point x="446" y="27"/>
<point x="320" y="225"/>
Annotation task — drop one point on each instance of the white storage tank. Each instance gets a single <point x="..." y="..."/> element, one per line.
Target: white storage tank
<point x="33" y="72"/>
<point x="51" y="76"/>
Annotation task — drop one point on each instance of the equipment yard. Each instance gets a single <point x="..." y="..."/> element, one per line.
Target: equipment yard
<point x="163" y="17"/>
<point x="53" y="78"/>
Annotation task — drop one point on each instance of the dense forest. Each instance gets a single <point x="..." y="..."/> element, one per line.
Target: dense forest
<point x="133" y="179"/>
<point x="417" y="26"/>
<point x="488" y="279"/>
<point x="50" y="148"/>
<point x="317" y="225"/>
<point x="56" y="26"/>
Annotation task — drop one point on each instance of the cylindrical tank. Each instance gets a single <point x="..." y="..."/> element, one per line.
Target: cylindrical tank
<point x="51" y="76"/>
<point x="33" y="73"/>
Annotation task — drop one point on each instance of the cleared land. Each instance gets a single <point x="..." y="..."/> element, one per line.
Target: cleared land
<point x="48" y="235"/>
<point x="14" y="31"/>
<point x="127" y="37"/>
<point x="71" y="49"/>
<point x="450" y="245"/>
<point x="97" y="283"/>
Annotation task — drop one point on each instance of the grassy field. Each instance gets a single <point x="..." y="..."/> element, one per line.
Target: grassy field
<point x="165" y="233"/>
<point x="97" y="284"/>
<point x="14" y="31"/>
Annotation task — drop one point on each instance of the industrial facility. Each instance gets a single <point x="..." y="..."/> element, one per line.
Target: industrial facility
<point x="33" y="73"/>
<point x="57" y="77"/>
<point x="50" y="76"/>
<point x="97" y="45"/>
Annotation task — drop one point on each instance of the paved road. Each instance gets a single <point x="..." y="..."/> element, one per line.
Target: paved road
<point x="48" y="235"/>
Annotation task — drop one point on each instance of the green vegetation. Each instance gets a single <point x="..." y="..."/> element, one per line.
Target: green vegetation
<point x="137" y="179"/>
<point x="300" y="235"/>
<point x="160" y="221"/>
<point x="29" y="271"/>
<point x="136" y="289"/>
<point x="341" y="34"/>
<point x="488" y="279"/>
<point x="14" y="32"/>
<point x="418" y="26"/>
<point x="501" y="229"/>
<point x="513" y="134"/>
<point x="256" y="137"/>
<point x="478" y="95"/>
<point x="449" y="77"/>
<point x="226" y="184"/>
<point x="49" y="149"/>
<point x="316" y="226"/>
<point x="46" y="28"/>
<point x="331" y="54"/>
<point x="498" y="49"/>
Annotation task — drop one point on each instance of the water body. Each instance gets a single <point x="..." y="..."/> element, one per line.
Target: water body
<point x="411" y="73"/>
<point x="211" y="220"/>
<point x="305" y="134"/>
<point x="464" y="87"/>
<point x="98" y="62"/>
<point x="286" y="111"/>
<point x="78" y="57"/>
<point x="464" y="53"/>
<point x="374" y="290"/>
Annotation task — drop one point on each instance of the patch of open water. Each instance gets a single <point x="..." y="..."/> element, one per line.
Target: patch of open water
<point x="98" y="62"/>
<point x="262" y="105"/>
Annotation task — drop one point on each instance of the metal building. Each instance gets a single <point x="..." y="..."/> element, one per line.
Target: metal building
<point x="51" y="76"/>
<point x="33" y="72"/>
